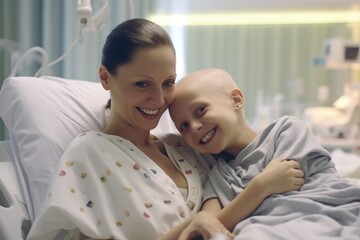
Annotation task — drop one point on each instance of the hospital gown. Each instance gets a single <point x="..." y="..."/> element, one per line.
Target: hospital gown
<point x="326" y="207"/>
<point x="106" y="188"/>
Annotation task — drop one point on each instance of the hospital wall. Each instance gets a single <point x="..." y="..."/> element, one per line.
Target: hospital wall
<point x="268" y="61"/>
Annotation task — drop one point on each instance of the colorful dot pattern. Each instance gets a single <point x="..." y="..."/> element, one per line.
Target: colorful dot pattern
<point x="118" y="170"/>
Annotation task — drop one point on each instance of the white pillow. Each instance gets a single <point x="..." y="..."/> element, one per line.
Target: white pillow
<point x="43" y="115"/>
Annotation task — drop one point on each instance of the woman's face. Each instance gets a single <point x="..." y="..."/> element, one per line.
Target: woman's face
<point x="143" y="89"/>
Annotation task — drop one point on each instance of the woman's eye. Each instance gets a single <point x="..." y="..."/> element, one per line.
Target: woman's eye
<point x="142" y="84"/>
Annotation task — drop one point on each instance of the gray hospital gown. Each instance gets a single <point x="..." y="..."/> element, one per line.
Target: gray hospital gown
<point x="326" y="207"/>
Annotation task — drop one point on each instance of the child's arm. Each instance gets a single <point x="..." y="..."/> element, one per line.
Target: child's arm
<point x="279" y="176"/>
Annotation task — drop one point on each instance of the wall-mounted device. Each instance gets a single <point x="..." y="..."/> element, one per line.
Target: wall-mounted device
<point x="340" y="53"/>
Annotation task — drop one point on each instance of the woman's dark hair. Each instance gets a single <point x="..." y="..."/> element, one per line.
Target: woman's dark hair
<point x="129" y="36"/>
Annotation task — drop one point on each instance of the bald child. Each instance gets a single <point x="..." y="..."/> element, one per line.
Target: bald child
<point x="208" y="111"/>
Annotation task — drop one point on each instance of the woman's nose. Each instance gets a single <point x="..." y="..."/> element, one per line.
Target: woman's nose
<point x="157" y="97"/>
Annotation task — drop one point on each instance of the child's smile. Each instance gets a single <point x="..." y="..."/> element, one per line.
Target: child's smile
<point x="208" y="136"/>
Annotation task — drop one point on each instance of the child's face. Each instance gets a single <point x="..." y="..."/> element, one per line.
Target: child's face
<point x="203" y="112"/>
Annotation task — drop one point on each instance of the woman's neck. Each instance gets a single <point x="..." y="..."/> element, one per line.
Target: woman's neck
<point x="138" y="137"/>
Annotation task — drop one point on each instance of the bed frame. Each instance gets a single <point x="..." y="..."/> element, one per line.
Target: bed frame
<point x="14" y="220"/>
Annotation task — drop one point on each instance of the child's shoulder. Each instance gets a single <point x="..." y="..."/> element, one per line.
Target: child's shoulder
<point x="287" y="119"/>
<point x="292" y="122"/>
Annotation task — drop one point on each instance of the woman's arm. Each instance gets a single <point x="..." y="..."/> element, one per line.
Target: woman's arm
<point x="237" y="210"/>
<point x="175" y="232"/>
<point x="203" y="224"/>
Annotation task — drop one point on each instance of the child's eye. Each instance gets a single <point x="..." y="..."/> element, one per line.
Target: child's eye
<point x="142" y="84"/>
<point x="169" y="83"/>
<point x="183" y="127"/>
<point x="200" y="110"/>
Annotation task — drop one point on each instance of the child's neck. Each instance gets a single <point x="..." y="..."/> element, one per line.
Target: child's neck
<point x="246" y="137"/>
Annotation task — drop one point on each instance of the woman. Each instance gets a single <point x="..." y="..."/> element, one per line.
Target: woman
<point x="123" y="182"/>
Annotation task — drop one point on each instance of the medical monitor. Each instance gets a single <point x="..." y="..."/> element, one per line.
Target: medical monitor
<point x="341" y="52"/>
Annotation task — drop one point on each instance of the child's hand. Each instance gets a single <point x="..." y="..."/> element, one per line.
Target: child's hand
<point x="281" y="175"/>
<point x="204" y="226"/>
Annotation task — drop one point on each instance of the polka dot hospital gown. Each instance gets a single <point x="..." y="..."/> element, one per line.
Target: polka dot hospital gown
<point x="106" y="188"/>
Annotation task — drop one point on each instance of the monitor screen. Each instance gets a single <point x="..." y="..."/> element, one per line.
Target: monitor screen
<point x="351" y="53"/>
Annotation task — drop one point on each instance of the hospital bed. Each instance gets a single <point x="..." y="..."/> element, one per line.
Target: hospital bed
<point x="43" y="115"/>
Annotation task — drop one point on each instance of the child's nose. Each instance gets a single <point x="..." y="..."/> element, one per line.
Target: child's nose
<point x="196" y="126"/>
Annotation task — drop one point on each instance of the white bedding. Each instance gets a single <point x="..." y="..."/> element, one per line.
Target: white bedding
<point x="43" y="115"/>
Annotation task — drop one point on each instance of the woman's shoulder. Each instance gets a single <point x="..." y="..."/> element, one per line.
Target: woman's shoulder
<point x="86" y="139"/>
<point x="86" y="136"/>
<point x="204" y="162"/>
<point x="172" y="139"/>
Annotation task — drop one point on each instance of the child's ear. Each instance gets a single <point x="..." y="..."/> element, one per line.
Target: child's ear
<point x="237" y="98"/>
<point x="104" y="77"/>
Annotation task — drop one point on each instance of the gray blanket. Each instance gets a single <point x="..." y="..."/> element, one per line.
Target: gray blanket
<point x="327" y="206"/>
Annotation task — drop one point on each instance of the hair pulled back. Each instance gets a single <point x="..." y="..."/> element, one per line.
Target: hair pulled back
<point x="130" y="36"/>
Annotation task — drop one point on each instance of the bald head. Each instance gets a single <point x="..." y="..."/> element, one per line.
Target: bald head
<point x="210" y="80"/>
<point x="208" y="110"/>
<point x="210" y="88"/>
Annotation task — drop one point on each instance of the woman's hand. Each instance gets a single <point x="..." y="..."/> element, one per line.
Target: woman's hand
<point x="281" y="175"/>
<point x="204" y="225"/>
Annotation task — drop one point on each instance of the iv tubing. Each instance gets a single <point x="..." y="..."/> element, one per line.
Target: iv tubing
<point x="30" y="51"/>
<point x="43" y="69"/>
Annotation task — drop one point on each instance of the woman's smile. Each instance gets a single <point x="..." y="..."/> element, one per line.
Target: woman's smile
<point x="149" y="113"/>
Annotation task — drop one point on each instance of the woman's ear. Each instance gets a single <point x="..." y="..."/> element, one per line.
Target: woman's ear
<point x="104" y="77"/>
<point x="237" y="98"/>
